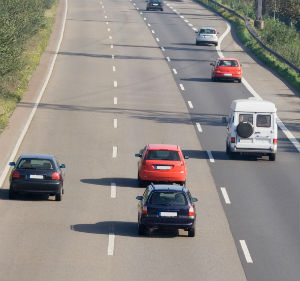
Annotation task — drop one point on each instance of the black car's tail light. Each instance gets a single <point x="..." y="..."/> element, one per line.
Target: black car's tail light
<point x="16" y="175"/>
<point x="55" y="176"/>
<point x="144" y="210"/>
<point x="191" y="211"/>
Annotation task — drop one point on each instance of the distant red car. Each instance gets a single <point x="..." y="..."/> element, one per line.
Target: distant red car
<point x="161" y="163"/>
<point x="226" y="69"/>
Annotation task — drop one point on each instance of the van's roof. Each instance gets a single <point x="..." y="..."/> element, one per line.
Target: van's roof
<point x="253" y="105"/>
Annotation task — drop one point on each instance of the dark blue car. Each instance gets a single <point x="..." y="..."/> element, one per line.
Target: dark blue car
<point x="36" y="173"/>
<point x="166" y="206"/>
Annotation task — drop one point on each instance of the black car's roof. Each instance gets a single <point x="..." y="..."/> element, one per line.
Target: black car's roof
<point x="37" y="156"/>
<point x="165" y="187"/>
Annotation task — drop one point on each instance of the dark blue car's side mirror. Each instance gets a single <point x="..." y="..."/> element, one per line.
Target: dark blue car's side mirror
<point x="12" y="164"/>
<point x="62" y="166"/>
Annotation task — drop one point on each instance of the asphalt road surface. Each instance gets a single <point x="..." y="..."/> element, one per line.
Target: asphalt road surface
<point x="125" y="77"/>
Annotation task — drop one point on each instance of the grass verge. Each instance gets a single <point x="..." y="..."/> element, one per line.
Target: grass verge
<point x="14" y="86"/>
<point x="288" y="74"/>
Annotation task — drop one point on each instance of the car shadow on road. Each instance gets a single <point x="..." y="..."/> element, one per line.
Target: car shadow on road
<point x="25" y="197"/>
<point x="122" y="182"/>
<point x="122" y="228"/>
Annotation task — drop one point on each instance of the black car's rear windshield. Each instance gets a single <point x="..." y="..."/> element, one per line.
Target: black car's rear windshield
<point x="168" y="155"/>
<point x="43" y="164"/>
<point x="174" y="198"/>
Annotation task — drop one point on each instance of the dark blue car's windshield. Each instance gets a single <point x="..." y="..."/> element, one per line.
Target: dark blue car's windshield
<point x="168" y="198"/>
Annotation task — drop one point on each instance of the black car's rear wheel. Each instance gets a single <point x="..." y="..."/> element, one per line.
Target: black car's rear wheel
<point x="191" y="232"/>
<point x="58" y="196"/>
<point x="11" y="194"/>
<point x="141" y="229"/>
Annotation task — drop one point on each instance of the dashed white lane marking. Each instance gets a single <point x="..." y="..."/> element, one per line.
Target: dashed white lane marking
<point x="109" y="37"/>
<point x="111" y="244"/>
<point x="190" y="104"/>
<point x="105" y="17"/>
<point x="113" y="190"/>
<point x="175" y="11"/>
<point x="39" y="97"/>
<point x="191" y="25"/>
<point x="113" y="57"/>
<point x="149" y="24"/>
<point x="168" y="59"/>
<point x="114" y="152"/>
<point x="115" y="123"/>
<point x="137" y="8"/>
<point x="199" y="127"/>
<point x="107" y="22"/>
<point x="141" y="13"/>
<point x="114" y="68"/>
<point x="115" y="100"/>
<point x="102" y="7"/>
<point x="225" y="195"/>
<point x="111" y="46"/>
<point x="134" y="4"/>
<point x="210" y="156"/>
<point x="182" y="17"/>
<point x="195" y="29"/>
<point x="186" y="21"/>
<point x="115" y="84"/>
<point x="145" y="18"/>
<point x="108" y="29"/>
<point x="246" y="251"/>
<point x="181" y="87"/>
<point x="157" y="39"/>
<point x="153" y="31"/>
<point x="163" y="49"/>
<point x="175" y="71"/>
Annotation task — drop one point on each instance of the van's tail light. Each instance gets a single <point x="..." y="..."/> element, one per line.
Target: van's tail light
<point x="55" y="176"/>
<point x="16" y="175"/>
<point x="191" y="211"/>
<point x="144" y="210"/>
<point x="232" y="140"/>
<point x="274" y="141"/>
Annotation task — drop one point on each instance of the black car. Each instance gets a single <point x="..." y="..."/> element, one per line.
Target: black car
<point x="154" y="5"/>
<point x="166" y="206"/>
<point x="36" y="173"/>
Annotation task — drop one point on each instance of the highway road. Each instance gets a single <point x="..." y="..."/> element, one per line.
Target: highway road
<point x="125" y="77"/>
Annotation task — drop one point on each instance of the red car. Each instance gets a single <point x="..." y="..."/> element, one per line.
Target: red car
<point x="161" y="163"/>
<point x="226" y="69"/>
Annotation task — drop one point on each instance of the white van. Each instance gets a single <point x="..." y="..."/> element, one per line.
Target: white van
<point x="252" y="128"/>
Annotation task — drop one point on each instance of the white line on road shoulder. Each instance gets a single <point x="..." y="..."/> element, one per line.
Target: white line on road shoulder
<point x="113" y="190"/>
<point x="111" y="244"/>
<point x="246" y="251"/>
<point x="225" y="195"/>
<point x="190" y="104"/>
<point x="199" y="127"/>
<point x="115" y="152"/>
<point x="211" y="158"/>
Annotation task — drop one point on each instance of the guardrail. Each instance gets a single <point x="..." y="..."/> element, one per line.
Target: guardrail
<point x="256" y="36"/>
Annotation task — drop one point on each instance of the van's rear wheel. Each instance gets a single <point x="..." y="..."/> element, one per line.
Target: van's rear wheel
<point x="272" y="156"/>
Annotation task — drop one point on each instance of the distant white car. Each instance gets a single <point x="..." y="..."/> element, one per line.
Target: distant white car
<point x="207" y="35"/>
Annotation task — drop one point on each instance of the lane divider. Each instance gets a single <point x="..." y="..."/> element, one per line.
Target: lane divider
<point x="246" y="251"/>
<point x="190" y="104"/>
<point x="115" y="123"/>
<point x="111" y="244"/>
<point x="199" y="127"/>
<point x="210" y="156"/>
<point x="114" y="152"/>
<point x="225" y="195"/>
<point x="115" y="100"/>
<point x="113" y="190"/>
<point x="181" y="87"/>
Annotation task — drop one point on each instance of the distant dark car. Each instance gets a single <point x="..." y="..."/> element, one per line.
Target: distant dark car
<point x="166" y="206"/>
<point x="36" y="173"/>
<point x="154" y="5"/>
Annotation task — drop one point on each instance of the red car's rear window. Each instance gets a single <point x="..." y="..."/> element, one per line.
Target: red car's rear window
<point x="231" y="63"/>
<point x="163" y="155"/>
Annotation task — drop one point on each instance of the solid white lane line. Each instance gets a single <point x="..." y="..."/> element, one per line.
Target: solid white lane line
<point x="168" y="59"/>
<point x="225" y="195"/>
<point x="289" y="135"/>
<point x="35" y="106"/>
<point x="246" y="251"/>
<point x="153" y="31"/>
<point x="211" y="158"/>
<point x="115" y="84"/>
<point x="111" y="46"/>
<point x="175" y="71"/>
<point x="115" y="100"/>
<point x="114" y="68"/>
<point x="113" y="190"/>
<point x="190" y="104"/>
<point x="114" y="152"/>
<point x="163" y="49"/>
<point x="157" y="39"/>
<point x="115" y="123"/>
<point x="111" y="244"/>
<point x="199" y="127"/>
<point x="181" y="87"/>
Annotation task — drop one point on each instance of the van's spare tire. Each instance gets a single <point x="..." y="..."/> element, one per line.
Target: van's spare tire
<point x="244" y="129"/>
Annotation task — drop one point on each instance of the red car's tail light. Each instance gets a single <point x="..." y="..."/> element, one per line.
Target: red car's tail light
<point x="55" y="176"/>
<point x="274" y="141"/>
<point x="191" y="211"/>
<point x="144" y="210"/>
<point x="16" y="175"/>
<point x="232" y="140"/>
